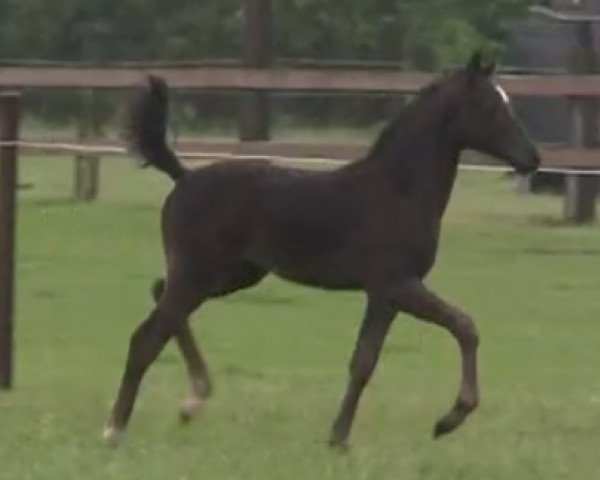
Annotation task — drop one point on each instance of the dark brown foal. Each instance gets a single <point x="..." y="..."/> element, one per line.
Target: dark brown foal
<point x="372" y="225"/>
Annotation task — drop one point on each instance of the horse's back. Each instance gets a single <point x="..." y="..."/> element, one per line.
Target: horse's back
<point x="293" y="222"/>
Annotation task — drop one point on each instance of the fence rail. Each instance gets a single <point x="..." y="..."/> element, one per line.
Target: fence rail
<point x="280" y="79"/>
<point x="581" y="89"/>
<point x="194" y="148"/>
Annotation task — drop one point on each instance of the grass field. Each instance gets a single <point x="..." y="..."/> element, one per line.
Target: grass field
<point x="279" y="352"/>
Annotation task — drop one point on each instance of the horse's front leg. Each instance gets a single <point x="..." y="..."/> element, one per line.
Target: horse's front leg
<point x="416" y="299"/>
<point x="378" y="317"/>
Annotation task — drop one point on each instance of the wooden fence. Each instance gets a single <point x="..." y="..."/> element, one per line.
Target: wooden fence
<point x="278" y="79"/>
<point x="580" y="89"/>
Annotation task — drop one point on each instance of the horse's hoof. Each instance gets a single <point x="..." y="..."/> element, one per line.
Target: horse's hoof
<point x="441" y="428"/>
<point x="189" y="409"/>
<point x="340" y="446"/>
<point x="447" y="424"/>
<point x="113" y="436"/>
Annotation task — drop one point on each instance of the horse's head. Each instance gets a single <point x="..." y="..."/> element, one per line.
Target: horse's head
<point x="484" y="120"/>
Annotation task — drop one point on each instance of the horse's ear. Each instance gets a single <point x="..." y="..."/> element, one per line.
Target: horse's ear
<point x="474" y="64"/>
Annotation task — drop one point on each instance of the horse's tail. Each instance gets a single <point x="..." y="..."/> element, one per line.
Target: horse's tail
<point x="147" y="129"/>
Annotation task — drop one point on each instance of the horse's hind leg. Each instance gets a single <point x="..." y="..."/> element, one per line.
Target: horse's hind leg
<point x="200" y="383"/>
<point x="245" y="275"/>
<point x="180" y="298"/>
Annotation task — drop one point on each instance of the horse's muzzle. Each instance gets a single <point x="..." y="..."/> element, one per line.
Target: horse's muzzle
<point x="529" y="166"/>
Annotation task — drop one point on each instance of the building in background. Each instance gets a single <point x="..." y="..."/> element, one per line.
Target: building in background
<point x="539" y="44"/>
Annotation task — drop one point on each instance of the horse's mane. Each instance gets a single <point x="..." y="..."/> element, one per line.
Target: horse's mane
<point x="387" y="137"/>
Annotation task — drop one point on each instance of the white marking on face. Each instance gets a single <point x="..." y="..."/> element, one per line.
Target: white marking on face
<point x="502" y="93"/>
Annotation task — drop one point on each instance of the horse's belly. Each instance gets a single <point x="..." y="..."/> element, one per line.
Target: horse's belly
<point x="329" y="271"/>
<point x="326" y="279"/>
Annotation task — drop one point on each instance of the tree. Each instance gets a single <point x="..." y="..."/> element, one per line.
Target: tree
<point x="191" y="30"/>
<point x="422" y="34"/>
<point x="402" y="30"/>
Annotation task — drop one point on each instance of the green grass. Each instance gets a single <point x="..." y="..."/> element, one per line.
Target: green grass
<point x="279" y="352"/>
<point x="281" y="130"/>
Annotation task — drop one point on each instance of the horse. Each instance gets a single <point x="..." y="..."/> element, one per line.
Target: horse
<point x="372" y="225"/>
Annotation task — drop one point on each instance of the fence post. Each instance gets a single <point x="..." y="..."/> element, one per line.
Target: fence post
<point x="257" y="35"/>
<point x="581" y="191"/>
<point x="9" y="132"/>
<point x="87" y="166"/>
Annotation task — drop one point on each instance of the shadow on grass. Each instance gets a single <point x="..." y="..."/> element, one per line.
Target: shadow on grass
<point x="242" y="372"/>
<point x="562" y="251"/>
<point x="552" y="221"/>
<point x="53" y="202"/>
<point x="400" y="349"/>
<point x="260" y="299"/>
<point x="44" y="294"/>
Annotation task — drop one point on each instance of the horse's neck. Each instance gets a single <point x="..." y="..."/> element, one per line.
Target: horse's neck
<point x="420" y="162"/>
<point x="447" y="182"/>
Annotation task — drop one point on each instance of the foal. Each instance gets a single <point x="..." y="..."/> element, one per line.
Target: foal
<point x="372" y="225"/>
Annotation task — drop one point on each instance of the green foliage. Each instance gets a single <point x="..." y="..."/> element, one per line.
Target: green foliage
<point x="118" y="29"/>
<point x="188" y="29"/>
<point x="420" y="33"/>
<point x="424" y="34"/>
